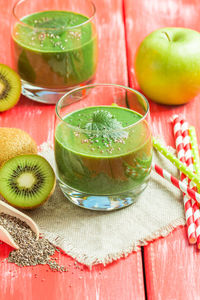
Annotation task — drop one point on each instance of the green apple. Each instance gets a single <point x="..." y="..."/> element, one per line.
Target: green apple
<point x="167" y="65"/>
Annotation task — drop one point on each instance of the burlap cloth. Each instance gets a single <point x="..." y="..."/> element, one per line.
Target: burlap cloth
<point x="101" y="237"/>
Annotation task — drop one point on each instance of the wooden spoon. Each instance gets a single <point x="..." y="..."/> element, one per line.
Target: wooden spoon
<point x="9" y="210"/>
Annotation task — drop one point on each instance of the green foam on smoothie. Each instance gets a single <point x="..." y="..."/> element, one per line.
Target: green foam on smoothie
<point x="89" y="137"/>
<point x="99" y="163"/>
<point x="104" y="124"/>
<point x="50" y="31"/>
<point x="55" y="49"/>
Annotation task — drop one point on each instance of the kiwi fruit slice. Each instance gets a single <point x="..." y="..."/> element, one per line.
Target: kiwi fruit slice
<point x="27" y="181"/>
<point x="15" y="142"/>
<point x="10" y="87"/>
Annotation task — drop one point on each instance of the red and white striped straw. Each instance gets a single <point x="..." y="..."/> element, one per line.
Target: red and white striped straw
<point x="177" y="183"/>
<point x="189" y="212"/>
<point x="190" y="165"/>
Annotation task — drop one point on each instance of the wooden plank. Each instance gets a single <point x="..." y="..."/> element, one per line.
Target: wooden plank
<point x="171" y="265"/>
<point x="120" y="280"/>
<point x="172" y="268"/>
<point x="27" y="115"/>
<point x="141" y="18"/>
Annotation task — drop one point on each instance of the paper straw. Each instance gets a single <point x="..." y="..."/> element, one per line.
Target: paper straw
<point x="195" y="151"/>
<point x="189" y="211"/>
<point x="178" y="138"/>
<point x="190" y="165"/>
<point x="196" y="167"/>
<point x="173" y="159"/>
<point x="177" y="183"/>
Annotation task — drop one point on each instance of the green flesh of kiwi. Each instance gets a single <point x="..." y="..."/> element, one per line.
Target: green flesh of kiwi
<point x="10" y="87"/>
<point x="4" y="87"/>
<point x="26" y="181"/>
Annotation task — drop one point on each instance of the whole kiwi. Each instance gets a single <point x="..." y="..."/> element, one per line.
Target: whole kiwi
<point x="15" y="142"/>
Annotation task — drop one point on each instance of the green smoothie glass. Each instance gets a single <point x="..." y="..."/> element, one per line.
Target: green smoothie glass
<point x="54" y="46"/>
<point x="103" y="151"/>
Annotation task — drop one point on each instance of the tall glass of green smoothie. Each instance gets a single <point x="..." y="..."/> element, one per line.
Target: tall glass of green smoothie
<point x="103" y="151"/>
<point x="54" y="46"/>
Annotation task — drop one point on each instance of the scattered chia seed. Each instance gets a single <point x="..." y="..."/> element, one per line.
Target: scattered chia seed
<point x="31" y="251"/>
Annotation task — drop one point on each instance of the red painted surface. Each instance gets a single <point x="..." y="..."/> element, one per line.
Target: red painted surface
<point x="121" y="280"/>
<point x="172" y="268"/>
<point x="171" y="265"/>
<point x="141" y="18"/>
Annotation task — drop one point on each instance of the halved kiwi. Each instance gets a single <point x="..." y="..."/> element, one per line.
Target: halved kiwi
<point x="10" y="87"/>
<point x="27" y="181"/>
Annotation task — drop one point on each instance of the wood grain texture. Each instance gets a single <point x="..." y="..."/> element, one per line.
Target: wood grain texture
<point x="141" y="18"/>
<point x="121" y="280"/>
<point x="172" y="268"/>
<point x="22" y="115"/>
<point x="171" y="265"/>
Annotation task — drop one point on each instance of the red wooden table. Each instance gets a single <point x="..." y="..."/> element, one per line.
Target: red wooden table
<point x="168" y="267"/>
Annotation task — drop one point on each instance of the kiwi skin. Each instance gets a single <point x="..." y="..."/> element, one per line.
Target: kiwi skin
<point x="45" y="200"/>
<point x="15" y="142"/>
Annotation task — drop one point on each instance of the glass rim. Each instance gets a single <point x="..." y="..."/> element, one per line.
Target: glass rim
<point x="76" y="128"/>
<point x="18" y="2"/>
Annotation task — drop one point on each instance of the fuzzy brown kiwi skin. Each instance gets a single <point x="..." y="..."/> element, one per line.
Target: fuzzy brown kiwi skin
<point x="14" y="142"/>
<point x="35" y="206"/>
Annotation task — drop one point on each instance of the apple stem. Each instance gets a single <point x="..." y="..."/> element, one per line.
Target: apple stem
<point x="167" y="35"/>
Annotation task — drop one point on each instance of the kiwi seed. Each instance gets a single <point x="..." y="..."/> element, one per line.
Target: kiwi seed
<point x="15" y="142"/>
<point x="27" y="181"/>
<point x="10" y="87"/>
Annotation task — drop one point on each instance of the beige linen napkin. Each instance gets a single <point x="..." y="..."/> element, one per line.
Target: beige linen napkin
<point x="101" y="237"/>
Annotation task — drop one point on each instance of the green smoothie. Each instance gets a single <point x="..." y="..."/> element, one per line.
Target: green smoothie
<point x="99" y="151"/>
<point x="50" y="50"/>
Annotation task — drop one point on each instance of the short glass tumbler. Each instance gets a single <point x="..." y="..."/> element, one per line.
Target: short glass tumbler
<point x="103" y="151"/>
<point x="54" y="46"/>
